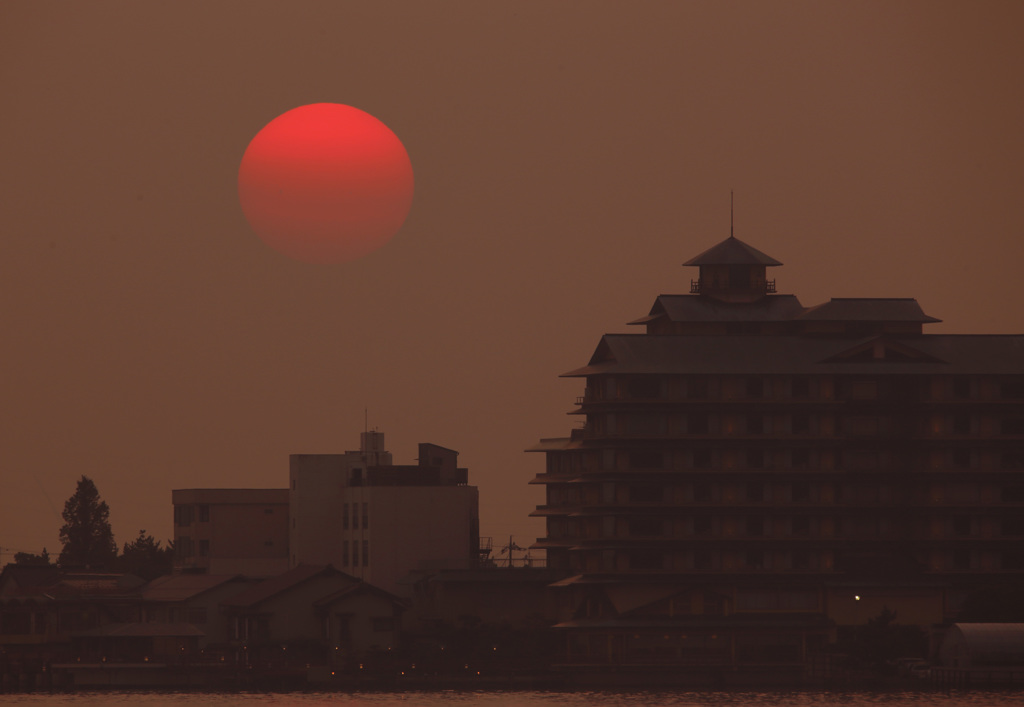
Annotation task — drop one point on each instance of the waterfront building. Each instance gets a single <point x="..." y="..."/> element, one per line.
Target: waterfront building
<point x="751" y="477"/>
<point x="311" y="614"/>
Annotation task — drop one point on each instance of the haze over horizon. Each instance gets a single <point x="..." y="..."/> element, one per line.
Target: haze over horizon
<point x="568" y="158"/>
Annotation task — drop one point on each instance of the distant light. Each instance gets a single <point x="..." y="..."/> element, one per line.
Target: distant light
<point x="856" y="597"/>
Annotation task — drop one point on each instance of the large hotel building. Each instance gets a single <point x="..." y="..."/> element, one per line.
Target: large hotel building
<point x="751" y="475"/>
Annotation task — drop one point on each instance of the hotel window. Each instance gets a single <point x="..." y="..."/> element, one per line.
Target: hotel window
<point x="860" y="426"/>
<point x="755" y="458"/>
<point x="647" y="423"/>
<point x="702" y="459"/>
<point x="646" y="459"/>
<point x="1013" y="460"/>
<point x="961" y="526"/>
<point x="646" y="493"/>
<point x="800" y="388"/>
<point x="355" y="553"/>
<point x="697" y="388"/>
<point x="1013" y="425"/>
<point x="800" y="526"/>
<point x="800" y="423"/>
<point x="344" y="516"/>
<point x="861" y="460"/>
<point x="961" y="559"/>
<point x="962" y="424"/>
<point x="1012" y="527"/>
<point x="646" y="387"/>
<point x="801" y="560"/>
<point x="366" y="516"/>
<point x="646" y="527"/>
<point x="800" y="492"/>
<point x="646" y="560"/>
<point x="755" y="560"/>
<point x="697" y="424"/>
<point x="702" y="561"/>
<point x="755" y="527"/>
<point x="611" y="388"/>
<point x="962" y="458"/>
<point x="608" y="459"/>
<point x="961" y="387"/>
<point x="702" y="493"/>
<point x="1013" y="560"/>
<point x="702" y="526"/>
<point x="1011" y="390"/>
<point x="755" y="492"/>
<point x="344" y="553"/>
<point x="204" y="548"/>
<point x="355" y="516"/>
<point x="366" y="553"/>
<point x="755" y="424"/>
<point x="755" y="388"/>
<point x="204" y="513"/>
<point x="1012" y="494"/>
<point x="799" y="459"/>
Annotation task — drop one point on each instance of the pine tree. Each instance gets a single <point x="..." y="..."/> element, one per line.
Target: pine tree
<point x="144" y="557"/>
<point x="86" y="535"/>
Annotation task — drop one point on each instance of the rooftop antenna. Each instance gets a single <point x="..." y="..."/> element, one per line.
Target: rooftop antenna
<point x="731" y="218"/>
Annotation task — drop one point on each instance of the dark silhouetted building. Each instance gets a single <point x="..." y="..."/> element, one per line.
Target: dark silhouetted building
<point x="751" y="475"/>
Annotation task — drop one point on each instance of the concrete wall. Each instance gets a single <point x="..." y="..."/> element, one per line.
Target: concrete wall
<point x="412" y="528"/>
<point x="243" y="531"/>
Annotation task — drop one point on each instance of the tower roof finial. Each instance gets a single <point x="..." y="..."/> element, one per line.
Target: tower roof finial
<point x="732" y="222"/>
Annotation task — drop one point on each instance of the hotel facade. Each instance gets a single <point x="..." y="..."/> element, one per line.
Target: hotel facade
<point x="751" y="476"/>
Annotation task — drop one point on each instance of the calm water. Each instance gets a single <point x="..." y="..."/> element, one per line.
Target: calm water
<point x="521" y="699"/>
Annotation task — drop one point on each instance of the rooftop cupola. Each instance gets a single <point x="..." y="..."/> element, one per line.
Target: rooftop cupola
<point x="733" y="271"/>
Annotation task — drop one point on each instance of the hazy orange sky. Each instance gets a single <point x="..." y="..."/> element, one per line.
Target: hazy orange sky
<point x="568" y="158"/>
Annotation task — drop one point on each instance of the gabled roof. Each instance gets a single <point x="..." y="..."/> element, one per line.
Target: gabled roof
<point x="356" y="590"/>
<point x="554" y="444"/>
<point x="273" y="586"/>
<point x="181" y="587"/>
<point x="872" y="309"/>
<point x="879" y="348"/>
<point x="733" y="251"/>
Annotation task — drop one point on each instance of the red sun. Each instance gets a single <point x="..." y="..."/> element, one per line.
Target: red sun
<point x="325" y="183"/>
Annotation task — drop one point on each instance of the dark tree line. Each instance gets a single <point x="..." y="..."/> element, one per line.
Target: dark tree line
<point x="87" y="540"/>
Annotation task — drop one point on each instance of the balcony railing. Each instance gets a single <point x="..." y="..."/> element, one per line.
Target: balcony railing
<point x="697" y="286"/>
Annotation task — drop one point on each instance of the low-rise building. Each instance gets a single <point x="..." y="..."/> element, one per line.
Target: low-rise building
<point x="382" y="522"/>
<point x="311" y="614"/>
<point x="231" y="531"/>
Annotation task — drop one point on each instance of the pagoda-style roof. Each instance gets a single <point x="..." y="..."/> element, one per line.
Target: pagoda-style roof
<point x="949" y="354"/>
<point x="694" y="308"/>
<point x="733" y="251"/>
<point x="874" y="309"/>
